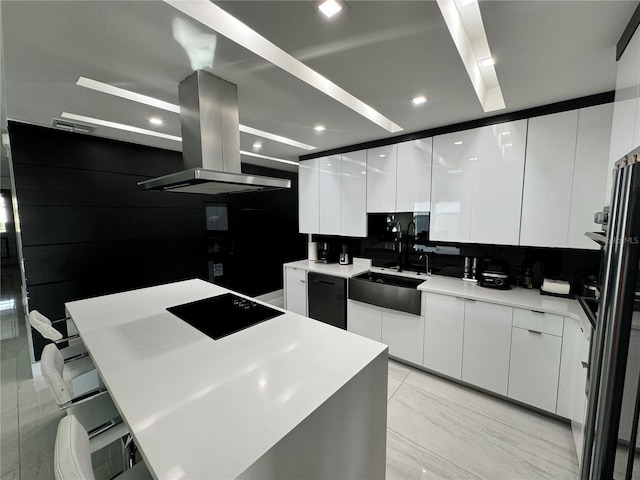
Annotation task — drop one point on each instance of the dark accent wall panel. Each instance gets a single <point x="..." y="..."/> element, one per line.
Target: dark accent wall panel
<point x="86" y="227"/>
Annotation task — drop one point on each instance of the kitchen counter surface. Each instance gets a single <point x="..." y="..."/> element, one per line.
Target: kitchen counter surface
<point x="515" y="297"/>
<point x="335" y="269"/>
<point x="200" y="408"/>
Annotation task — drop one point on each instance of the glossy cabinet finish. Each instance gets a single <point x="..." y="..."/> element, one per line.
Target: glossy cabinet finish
<point x="381" y="179"/>
<point x="498" y="173"/>
<point x="538" y="321"/>
<point x="309" y="196"/>
<point x="353" y="209"/>
<point x="590" y="173"/>
<point x="443" y="333"/>
<point x="330" y="194"/>
<point x="451" y="186"/>
<point x="404" y="334"/>
<point x="487" y="345"/>
<point x="413" y="177"/>
<point x="573" y="375"/>
<point x="364" y="319"/>
<point x="534" y="368"/>
<point x="296" y="290"/>
<point x="548" y="179"/>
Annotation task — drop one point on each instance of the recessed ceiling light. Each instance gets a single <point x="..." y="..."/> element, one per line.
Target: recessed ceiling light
<point x="419" y="100"/>
<point x="118" y="126"/>
<point x="329" y="8"/>
<point x="319" y="128"/>
<point x="382" y="155"/>
<point x="486" y="62"/>
<point x="229" y="26"/>
<point x="171" y="107"/>
<point x="457" y="143"/>
<point x="257" y="145"/>
<point x="156" y="121"/>
<point x="328" y="164"/>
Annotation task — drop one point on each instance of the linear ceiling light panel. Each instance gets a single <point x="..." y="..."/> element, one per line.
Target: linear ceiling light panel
<point x="465" y="25"/>
<point x="274" y="159"/>
<point x="227" y="25"/>
<point x="172" y="107"/>
<point x="119" y="126"/>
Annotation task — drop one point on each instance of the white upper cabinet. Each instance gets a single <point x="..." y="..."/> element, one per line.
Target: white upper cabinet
<point x="309" y="196"/>
<point x="381" y="179"/>
<point x="548" y="178"/>
<point x="330" y="194"/>
<point x="413" y="178"/>
<point x="353" y="216"/>
<point x="590" y="173"/>
<point x="451" y="186"/>
<point x="498" y="173"/>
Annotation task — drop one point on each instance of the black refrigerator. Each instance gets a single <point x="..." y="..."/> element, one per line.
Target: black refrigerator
<point x="613" y="405"/>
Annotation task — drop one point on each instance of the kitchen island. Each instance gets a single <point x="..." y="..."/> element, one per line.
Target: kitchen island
<point x="289" y="397"/>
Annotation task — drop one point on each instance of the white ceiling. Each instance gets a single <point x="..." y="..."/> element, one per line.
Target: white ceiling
<point x="383" y="52"/>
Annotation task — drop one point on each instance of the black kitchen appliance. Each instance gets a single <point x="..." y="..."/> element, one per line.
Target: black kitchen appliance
<point x="494" y="275"/>
<point x="224" y="314"/>
<point x="328" y="299"/>
<point x="345" y="259"/>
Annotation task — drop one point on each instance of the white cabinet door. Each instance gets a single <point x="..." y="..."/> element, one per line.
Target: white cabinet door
<point x="451" y="186"/>
<point x="330" y="194"/>
<point x="590" y="172"/>
<point x="443" y="333"/>
<point x="497" y="183"/>
<point x="534" y="368"/>
<point x="309" y="196"/>
<point x="354" y="194"/>
<point x="381" y="179"/>
<point x="364" y="319"/>
<point x="414" y="176"/>
<point x="487" y="345"/>
<point x="404" y="333"/>
<point x="295" y="292"/>
<point x="548" y="177"/>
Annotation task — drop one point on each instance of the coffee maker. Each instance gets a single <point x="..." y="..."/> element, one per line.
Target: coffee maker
<point x="345" y="259"/>
<point x="323" y="252"/>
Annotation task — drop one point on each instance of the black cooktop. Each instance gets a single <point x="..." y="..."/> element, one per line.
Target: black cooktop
<point x="224" y="314"/>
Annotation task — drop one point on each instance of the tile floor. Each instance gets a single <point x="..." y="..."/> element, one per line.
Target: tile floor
<point x="436" y="429"/>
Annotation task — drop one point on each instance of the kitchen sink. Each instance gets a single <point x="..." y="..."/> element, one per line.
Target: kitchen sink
<point x="388" y="291"/>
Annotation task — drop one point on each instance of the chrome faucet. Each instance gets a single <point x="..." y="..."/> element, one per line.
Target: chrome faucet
<point x="399" y="245"/>
<point x="426" y="263"/>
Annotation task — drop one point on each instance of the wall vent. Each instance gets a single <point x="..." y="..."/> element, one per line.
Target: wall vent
<point x="72" y="126"/>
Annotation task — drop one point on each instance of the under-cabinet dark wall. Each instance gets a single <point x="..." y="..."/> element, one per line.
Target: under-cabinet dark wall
<point x="86" y="227"/>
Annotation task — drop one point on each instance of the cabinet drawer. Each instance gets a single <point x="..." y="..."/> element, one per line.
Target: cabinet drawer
<point x="538" y="321"/>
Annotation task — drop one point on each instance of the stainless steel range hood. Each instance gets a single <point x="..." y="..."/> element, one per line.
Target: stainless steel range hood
<point x="210" y="142"/>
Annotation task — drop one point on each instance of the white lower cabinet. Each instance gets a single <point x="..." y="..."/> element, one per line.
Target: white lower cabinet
<point x="295" y="290"/>
<point x="404" y="333"/>
<point x="487" y="345"/>
<point x="364" y="319"/>
<point x="443" y="333"/>
<point x="534" y="368"/>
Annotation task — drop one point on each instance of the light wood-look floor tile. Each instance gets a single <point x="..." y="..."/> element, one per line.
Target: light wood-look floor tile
<point x="397" y="374"/>
<point x="474" y="442"/>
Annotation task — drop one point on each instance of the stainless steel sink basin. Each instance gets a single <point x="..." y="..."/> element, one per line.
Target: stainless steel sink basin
<point x="389" y="291"/>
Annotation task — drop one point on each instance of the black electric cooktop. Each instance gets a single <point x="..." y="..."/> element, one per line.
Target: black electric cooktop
<point x="224" y="314"/>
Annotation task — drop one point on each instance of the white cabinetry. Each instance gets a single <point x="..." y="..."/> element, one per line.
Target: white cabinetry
<point x="330" y="195"/>
<point x="413" y="178"/>
<point x="487" y="345"/>
<point x="536" y="342"/>
<point x="309" y="196"/>
<point x="295" y="290"/>
<point x="548" y="178"/>
<point x="590" y="174"/>
<point x="364" y="319"/>
<point x="381" y="179"/>
<point x="451" y="186"/>
<point x="404" y="333"/>
<point x="498" y="173"/>
<point x="353" y="212"/>
<point x="443" y="333"/>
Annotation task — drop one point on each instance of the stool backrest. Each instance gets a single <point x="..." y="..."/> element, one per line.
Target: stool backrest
<point x="43" y="325"/>
<point x="72" y="454"/>
<point x="52" y="366"/>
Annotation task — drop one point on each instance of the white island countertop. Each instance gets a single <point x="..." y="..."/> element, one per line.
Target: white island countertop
<point x="202" y="408"/>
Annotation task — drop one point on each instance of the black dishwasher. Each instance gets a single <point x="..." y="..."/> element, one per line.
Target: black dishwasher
<point x="328" y="299"/>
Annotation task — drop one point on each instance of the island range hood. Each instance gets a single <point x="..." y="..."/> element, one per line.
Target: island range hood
<point x="210" y="142"/>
